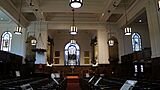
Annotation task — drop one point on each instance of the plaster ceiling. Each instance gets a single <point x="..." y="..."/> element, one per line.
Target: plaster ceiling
<point x="59" y="10"/>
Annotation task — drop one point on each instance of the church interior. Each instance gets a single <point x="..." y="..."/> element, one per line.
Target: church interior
<point x="79" y="44"/>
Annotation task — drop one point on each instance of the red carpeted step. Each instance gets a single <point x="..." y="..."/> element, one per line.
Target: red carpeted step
<point x="73" y="83"/>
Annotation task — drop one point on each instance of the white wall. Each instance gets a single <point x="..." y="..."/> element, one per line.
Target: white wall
<point x="125" y="42"/>
<point x="18" y="41"/>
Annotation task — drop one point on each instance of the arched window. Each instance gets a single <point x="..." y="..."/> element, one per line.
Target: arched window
<point x="72" y="54"/>
<point x="136" y="42"/>
<point x="6" y="41"/>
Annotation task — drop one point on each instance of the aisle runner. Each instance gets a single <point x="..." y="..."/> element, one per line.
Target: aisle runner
<point x="73" y="83"/>
<point x="73" y="86"/>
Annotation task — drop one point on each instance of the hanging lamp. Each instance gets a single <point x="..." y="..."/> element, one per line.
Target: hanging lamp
<point x="40" y="45"/>
<point x="127" y="30"/>
<point x="18" y="29"/>
<point x="73" y="29"/>
<point x="110" y="41"/>
<point x="158" y="4"/>
<point x="73" y="41"/>
<point x="34" y="41"/>
<point x="75" y="3"/>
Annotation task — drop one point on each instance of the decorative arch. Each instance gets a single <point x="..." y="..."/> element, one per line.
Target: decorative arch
<point x="72" y="54"/>
<point x="6" y="41"/>
<point x="136" y="42"/>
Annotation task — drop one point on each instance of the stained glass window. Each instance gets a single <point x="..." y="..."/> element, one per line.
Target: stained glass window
<point x="6" y="41"/>
<point x="136" y="42"/>
<point x="72" y="54"/>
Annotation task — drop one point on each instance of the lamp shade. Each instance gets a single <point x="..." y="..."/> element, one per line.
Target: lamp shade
<point x="33" y="42"/>
<point x="128" y="31"/>
<point x="73" y="41"/>
<point x="18" y="30"/>
<point x="158" y="4"/>
<point x="73" y="30"/>
<point x="75" y="3"/>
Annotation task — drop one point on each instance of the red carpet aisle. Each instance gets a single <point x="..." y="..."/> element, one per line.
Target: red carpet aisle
<point x="73" y="86"/>
<point x="73" y="83"/>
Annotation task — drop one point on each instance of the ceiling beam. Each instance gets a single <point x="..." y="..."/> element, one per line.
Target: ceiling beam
<point x="10" y="10"/>
<point x="34" y="7"/>
<point x="81" y="26"/>
<point x="109" y="9"/>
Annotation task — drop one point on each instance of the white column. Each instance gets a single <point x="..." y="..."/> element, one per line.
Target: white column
<point x="153" y="16"/>
<point x="103" y="54"/>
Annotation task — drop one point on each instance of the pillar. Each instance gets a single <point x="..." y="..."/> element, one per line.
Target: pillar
<point x="103" y="54"/>
<point x="153" y="16"/>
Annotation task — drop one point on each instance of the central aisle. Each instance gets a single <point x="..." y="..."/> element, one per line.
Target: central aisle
<point x="73" y="83"/>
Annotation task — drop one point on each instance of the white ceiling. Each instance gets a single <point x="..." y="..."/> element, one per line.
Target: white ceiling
<point x="60" y="11"/>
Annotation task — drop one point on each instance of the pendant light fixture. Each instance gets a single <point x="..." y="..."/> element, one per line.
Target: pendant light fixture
<point x="75" y="3"/>
<point x="18" y="29"/>
<point x="73" y="29"/>
<point x="127" y="30"/>
<point x="39" y="44"/>
<point x="110" y="41"/>
<point x="73" y="41"/>
<point x="158" y="5"/>
<point x="34" y="41"/>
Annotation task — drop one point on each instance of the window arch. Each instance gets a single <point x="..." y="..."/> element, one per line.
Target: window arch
<point x="6" y="41"/>
<point x="136" y="42"/>
<point x="72" y="54"/>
